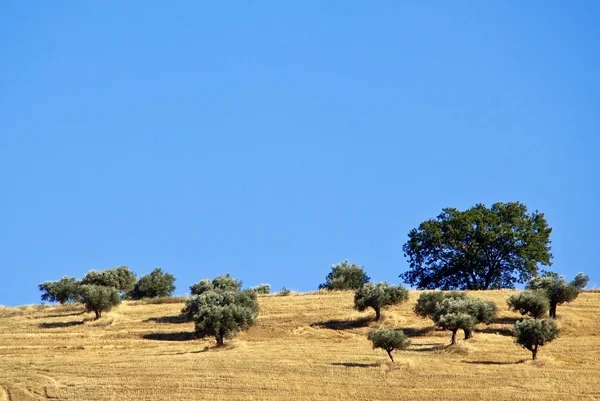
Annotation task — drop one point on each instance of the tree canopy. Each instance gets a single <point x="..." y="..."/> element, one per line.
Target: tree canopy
<point x="121" y="278"/>
<point x="345" y="276"/>
<point x="65" y="290"/>
<point x="535" y="333"/>
<point x="378" y="296"/>
<point x="220" y="283"/>
<point x="477" y="249"/>
<point x="388" y="340"/>
<point x="99" y="298"/>
<point x="155" y="284"/>
<point x="557" y="289"/>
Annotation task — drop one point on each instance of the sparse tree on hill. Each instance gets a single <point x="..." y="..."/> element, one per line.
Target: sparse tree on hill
<point x="65" y="290"/>
<point x="455" y="322"/>
<point x="98" y="298"/>
<point x="450" y="315"/>
<point x="533" y="303"/>
<point x="345" y="276"/>
<point x="155" y="284"/>
<point x="378" y="296"/>
<point x="478" y="249"/>
<point x="428" y="302"/>
<point x="219" y="283"/>
<point x="121" y="278"/>
<point x="261" y="289"/>
<point x="222" y="314"/>
<point x="557" y="289"/>
<point x="535" y="333"/>
<point x="388" y="340"/>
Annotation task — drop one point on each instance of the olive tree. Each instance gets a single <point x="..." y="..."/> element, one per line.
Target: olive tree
<point x="99" y="298"/>
<point x="261" y="289"/>
<point x="220" y="283"/>
<point x="155" y="284"/>
<point x="428" y="302"/>
<point x="533" y="303"/>
<point x="222" y="314"/>
<point x="463" y="314"/>
<point x="388" y="340"/>
<point x="65" y="290"/>
<point x="378" y="296"/>
<point x="534" y="333"/>
<point x="345" y="276"/>
<point x="557" y="289"/>
<point x="121" y="278"/>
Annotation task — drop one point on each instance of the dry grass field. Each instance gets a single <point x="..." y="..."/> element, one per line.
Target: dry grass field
<point x="304" y="347"/>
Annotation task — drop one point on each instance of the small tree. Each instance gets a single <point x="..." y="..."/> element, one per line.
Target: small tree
<point x="378" y="296"/>
<point x="121" y="278"/>
<point x="388" y="340"/>
<point x="219" y="283"/>
<point x="222" y="314"/>
<point x="98" y="298"/>
<point x="534" y="333"/>
<point x="455" y="322"/>
<point x="345" y="276"/>
<point x="261" y="289"/>
<point x="428" y="301"/>
<point x="533" y="303"/>
<point x="66" y="290"/>
<point x="155" y="284"/>
<point x="557" y="288"/>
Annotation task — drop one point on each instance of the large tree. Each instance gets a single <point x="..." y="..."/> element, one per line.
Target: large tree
<point x="477" y="249"/>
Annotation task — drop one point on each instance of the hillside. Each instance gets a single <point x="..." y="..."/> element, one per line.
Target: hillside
<point x="304" y="347"/>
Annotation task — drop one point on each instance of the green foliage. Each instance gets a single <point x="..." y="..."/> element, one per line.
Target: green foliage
<point x="261" y="289"/>
<point x="478" y="249"/>
<point x="450" y="314"/>
<point x="534" y="333"/>
<point x="65" y="290"/>
<point x="120" y="278"/>
<point x="388" y="340"/>
<point x="557" y="289"/>
<point x="219" y="283"/>
<point x="222" y="314"/>
<point x="345" y="276"/>
<point x="155" y="284"/>
<point x="378" y="296"/>
<point x="99" y="298"/>
<point x="428" y="301"/>
<point x="533" y="303"/>
<point x="284" y="292"/>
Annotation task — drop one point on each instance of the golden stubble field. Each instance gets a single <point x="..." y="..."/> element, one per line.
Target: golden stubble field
<point x="304" y="347"/>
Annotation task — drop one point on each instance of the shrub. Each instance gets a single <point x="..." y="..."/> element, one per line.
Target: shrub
<point x="98" y="298"/>
<point x="534" y="333"/>
<point x="557" y="288"/>
<point x="120" y="278"/>
<point x="378" y="296"/>
<point x="66" y="290"/>
<point x="388" y="340"/>
<point x="284" y="292"/>
<point x="533" y="303"/>
<point x="220" y="283"/>
<point x="344" y="276"/>
<point x="222" y="314"/>
<point x="261" y="289"/>
<point x="155" y="284"/>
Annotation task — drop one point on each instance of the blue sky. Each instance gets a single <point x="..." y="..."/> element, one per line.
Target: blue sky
<point x="273" y="139"/>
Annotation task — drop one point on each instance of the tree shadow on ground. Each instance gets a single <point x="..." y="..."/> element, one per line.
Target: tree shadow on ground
<point x="176" y="319"/>
<point x="503" y="331"/>
<point x="417" y="332"/>
<point x="495" y="362"/>
<point x="62" y="315"/>
<point x="428" y="347"/>
<point x="177" y="336"/>
<point x="336" y="324"/>
<point x="56" y="325"/>
<point x="507" y="320"/>
<point x="355" y="364"/>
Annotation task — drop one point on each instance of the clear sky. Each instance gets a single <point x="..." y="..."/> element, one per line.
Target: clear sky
<point x="273" y="139"/>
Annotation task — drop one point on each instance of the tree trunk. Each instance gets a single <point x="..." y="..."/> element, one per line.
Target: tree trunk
<point x="534" y="352"/>
<point x="219" y="340"/>
<point x="377" y="313"/>
<point x="390" y="355"/>
<point x="98" y="314"/>
<point x="553" y="310"/>
<point x="453" y="337"/>
<point x="468" y="334"/>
